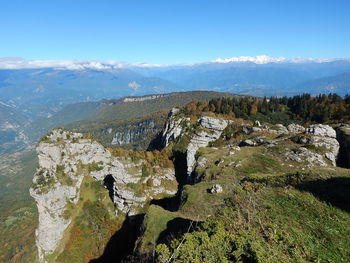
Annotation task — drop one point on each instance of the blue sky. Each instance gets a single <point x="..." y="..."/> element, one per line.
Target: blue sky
<point x="173" y="31"/>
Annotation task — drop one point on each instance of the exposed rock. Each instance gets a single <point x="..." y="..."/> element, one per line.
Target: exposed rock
<point x="219" y="162"/>
<point x="213" y="123"/>
<point x="295" y="128"/>
<point x="129" y="134"/>
<point x="215" y="189"/>
<point x="278" y="129"/>
<point x="247" y="143"/>
<point x="173" y="112"/>
<point x="303" y="154"/>
<point x="201" y="138"/>
<point x="121" y="138"/>
<point x="321" y="130"/>
<point x="257" y="123"/>
<point x="202" y="161"/>
<point x="236" y="148"/>
<point x="65" y="158"/>
<point x="260" y="141"/>
<point x="329" y="143"/>
<point x="173" y="128"/>
<point x="256" y="129"/>
<point x="303" y="140"/>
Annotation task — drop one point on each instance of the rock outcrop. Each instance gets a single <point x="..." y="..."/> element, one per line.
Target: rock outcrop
<point x="209" y="130"/>
<point x="295" y="128"/>
<point x="173" y="128"/>
<point x="129" y="134"/>
<point x="321" y="130"/>
<point x="65" y="158"/>
<point x="324" y="136"/>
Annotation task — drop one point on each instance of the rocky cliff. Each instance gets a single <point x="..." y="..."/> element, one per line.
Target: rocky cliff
<point x="316" y="145"/>
<point x="210" y="147"/>
<point x="65" y="158"/>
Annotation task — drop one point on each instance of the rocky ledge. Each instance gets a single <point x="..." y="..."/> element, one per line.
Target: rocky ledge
<point x="65" y="158"/>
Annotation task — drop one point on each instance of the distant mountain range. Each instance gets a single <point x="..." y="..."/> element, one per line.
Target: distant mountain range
<point x="32" y="93"/>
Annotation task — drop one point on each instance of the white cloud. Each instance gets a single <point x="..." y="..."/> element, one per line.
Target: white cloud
<point x="19" y="63"/>
<point x="134" y="85"/>
<point x="262" y="59"/>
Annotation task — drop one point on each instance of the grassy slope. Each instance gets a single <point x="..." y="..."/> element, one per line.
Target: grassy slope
<point x="270" y="211"/>
<point x="128" y="110"/>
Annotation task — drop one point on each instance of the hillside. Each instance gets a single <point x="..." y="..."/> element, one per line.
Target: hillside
<point x="218" y="189"/>
<point x="19" y="215"/>
<point x="12" y="123"/>
<point x="134" y="121"/>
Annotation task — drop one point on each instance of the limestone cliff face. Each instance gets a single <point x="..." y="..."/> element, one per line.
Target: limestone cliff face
<point x="209" y="130"/>
<point x="65" y="158"/>
<point x="206" y="130"/>
<point x="325" y="136"/>
<point x="132" y="134"/>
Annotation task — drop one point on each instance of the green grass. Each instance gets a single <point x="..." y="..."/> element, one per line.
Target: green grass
<point x="154" y="223"/>
<point x="267" y="224"/>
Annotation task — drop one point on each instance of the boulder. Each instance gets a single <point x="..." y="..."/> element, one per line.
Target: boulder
<point x="256" y="129"/>
<point x="247" y="143"/>
<point x="213" y="123"/>
<point x="303" y="154"/>
<point x="215" y="189"/>
<point x="321" y="130"/>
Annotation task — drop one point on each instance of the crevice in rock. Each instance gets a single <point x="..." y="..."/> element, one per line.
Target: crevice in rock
<point x="343" y="159"/>
<point x="173" y="203"/>
<point x="108" y="183"/>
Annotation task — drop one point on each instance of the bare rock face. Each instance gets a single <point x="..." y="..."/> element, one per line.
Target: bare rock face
<point x="295" y="128"/>
<point x="321" y="130"/>
<point x="278" y="129"/>
<point x="325" y="136"/>
<point x="131" y="135"/>
<point x="213" y="128"/>
<point x="173" y="127"/>
<point x="304" y="155"/>
<point x="65" y="158"/>
<point x="213" y="123"/>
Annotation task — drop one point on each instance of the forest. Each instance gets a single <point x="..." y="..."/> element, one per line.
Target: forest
<point x="305" y="108"/>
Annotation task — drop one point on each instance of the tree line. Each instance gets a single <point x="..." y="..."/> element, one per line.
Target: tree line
<point x="305" y="108"/>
